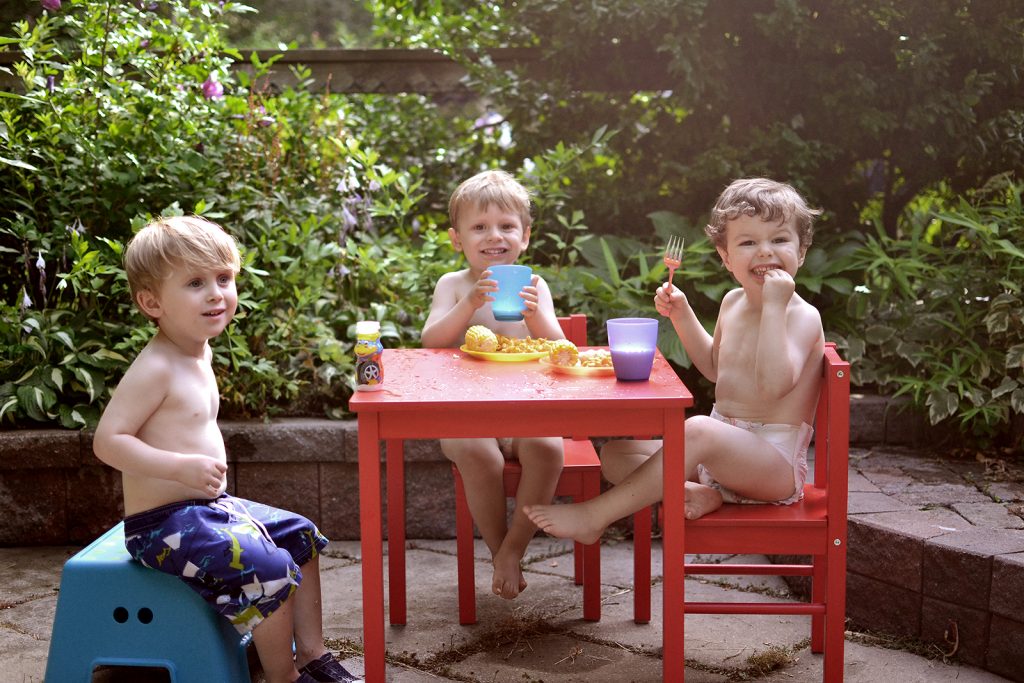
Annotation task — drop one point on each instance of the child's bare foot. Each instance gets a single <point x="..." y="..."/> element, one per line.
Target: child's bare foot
<point x="508" y="581"/>
<point x="701" y="499"/>
<point x="565" y="521"/>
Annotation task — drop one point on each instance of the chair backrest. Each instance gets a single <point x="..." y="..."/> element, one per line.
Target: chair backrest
<point x="832" y="429"/>
<point x="574" y="327"/>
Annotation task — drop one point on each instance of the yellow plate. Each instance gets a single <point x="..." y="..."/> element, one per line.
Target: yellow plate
<point x="578" y="369"/>
<point x="504" y="357"/>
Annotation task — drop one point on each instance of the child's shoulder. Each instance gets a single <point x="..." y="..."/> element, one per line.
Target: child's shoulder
<point x="453" y="279"/>
<point x="153" y="361"/>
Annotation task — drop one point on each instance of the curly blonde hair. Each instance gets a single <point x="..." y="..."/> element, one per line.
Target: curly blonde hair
<point x="496" y="188"/>
<point x="770" y="200"/>
<point x="167" y="244"/>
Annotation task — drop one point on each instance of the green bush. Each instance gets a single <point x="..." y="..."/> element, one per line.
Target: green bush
<point x="939" y="315"/>
<point x="338" y="203"/>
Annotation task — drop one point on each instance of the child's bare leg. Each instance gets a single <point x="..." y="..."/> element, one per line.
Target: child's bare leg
<point x="620" y="458"/>
<point x="481" y="466"/>
<point x="586" y="521"/>
<point x="273" y="640"/>
<point x="738" y="460"/>
<point x="541" y="461"/>
<point x="308" y="615"/>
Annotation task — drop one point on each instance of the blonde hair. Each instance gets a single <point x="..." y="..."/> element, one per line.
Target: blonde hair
<point x="167" y="244"/>
<point x="770" y="200"/>
<point x="487" y="188"/>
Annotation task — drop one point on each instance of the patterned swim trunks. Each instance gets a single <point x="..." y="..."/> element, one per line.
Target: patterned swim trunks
<point x="240" y="556"/>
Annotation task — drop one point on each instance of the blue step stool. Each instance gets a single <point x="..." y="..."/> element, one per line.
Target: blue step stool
<point x="113" y="611"/>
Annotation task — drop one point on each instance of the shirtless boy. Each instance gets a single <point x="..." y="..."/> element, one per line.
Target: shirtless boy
<point x="764" y="358"/>
<point x="255" y="565"/>
<point x="490" y="225"/>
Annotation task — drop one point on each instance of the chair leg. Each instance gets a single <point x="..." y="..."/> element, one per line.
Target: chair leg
<point x="396" y="532"/>
<point x="835" y="616"/>
<point x="642" y="566"/>
<point x="591" y="556"/>
<point x="819" y="578"/>
<point x="464" y="553"/>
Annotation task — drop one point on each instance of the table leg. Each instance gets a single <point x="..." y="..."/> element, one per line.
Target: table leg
<point x="673" y="550"/>
<point x="396" y="532"/>
<point x="372" y="547"/>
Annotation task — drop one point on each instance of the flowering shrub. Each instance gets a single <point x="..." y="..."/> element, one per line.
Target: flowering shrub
<point x="132" y="110"/>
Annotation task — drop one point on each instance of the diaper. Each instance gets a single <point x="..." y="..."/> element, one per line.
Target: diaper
<point x="789" y="440"/>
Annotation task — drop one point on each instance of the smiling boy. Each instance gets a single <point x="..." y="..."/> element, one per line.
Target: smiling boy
<point x="764" y="358"/>
<point x="490" y="225"/>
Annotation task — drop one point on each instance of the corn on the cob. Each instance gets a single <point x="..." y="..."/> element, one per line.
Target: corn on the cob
<point x="479" y="338"/>
<point x="563" y="352"/>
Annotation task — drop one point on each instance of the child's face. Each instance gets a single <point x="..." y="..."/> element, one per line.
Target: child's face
<point x="754" y="246"/>
<point x="193" y="303"/>
<point x="489" y="236"/>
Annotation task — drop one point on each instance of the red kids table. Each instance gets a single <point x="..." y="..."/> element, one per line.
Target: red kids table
<point x="445" y="393"/>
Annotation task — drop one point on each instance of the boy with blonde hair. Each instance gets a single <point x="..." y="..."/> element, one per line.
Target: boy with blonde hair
<point x="490" y="225"/>
<point x="255" y="565"/>
<point x="764" y="358"/>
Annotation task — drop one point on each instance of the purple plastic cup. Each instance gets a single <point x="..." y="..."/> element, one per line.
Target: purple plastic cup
<point x="632" y="342"/>
<point x="507" y="304"/>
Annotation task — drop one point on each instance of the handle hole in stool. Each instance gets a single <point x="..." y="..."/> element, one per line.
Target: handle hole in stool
<point x="120" y="615"/>
<point x="145" y="615"/>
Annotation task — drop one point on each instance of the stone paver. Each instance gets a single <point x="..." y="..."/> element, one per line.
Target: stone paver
<point x="936" y="555"/>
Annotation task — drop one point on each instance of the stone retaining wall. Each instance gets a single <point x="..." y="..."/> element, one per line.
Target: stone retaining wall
<point x="54" y="491"/>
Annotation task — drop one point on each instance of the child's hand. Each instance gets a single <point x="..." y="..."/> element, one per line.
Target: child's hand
<point x="481" y="291"/>
<point x="778" y="287"/>
<point x="530" y="296"/>
<point x="201" y="472"/>
<point x="669" y="299"/>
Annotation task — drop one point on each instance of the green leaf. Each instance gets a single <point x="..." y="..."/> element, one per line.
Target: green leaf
<point x="1007" y="385"/>
<point x="941" y="404"/>
<point x="18" y="164"/>
<point x="87" y="381"/>
<point x="1015" y="357"/>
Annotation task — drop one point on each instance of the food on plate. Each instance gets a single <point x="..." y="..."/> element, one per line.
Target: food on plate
<point x="479" y="338"/>
<point x="528" y="345"/>
<point x="563" y="352"/>
<point x="595" y="358"/>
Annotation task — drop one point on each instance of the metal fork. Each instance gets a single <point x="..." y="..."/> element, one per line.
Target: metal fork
<point x="673" y="255"/>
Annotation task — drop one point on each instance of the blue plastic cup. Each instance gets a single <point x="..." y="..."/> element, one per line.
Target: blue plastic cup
<point x="633" y="342"/>
<point x="507" y="304"/>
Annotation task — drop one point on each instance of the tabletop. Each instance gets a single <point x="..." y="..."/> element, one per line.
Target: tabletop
<point x="447" y="393"/>
<point x="451" y="379"/>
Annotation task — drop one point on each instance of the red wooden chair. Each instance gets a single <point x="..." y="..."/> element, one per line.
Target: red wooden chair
<point x="815" y="527"/>
<point x="580" y="480"/>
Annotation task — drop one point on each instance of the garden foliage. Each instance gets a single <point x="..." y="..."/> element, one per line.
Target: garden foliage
<point x="898" y="118"/>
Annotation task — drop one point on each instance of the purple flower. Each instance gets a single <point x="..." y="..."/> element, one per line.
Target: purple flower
<point x="265" y="121"/>
<point x="50" y="83"/>
<point x="416" y="227"/>
<point x="374" y="185"/>
<point x="50" y="5"/>
<point x="348" y="219"/>
<point x="212" y="89"/>
<point x="26" y="300"/>
<point x="488" y="120"/>
<point x="144" y="43"/>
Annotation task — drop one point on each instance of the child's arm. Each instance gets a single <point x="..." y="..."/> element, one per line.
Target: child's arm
<point x="138" y="396"/>
<point x="449" y="316"/>
<point x="787" y="336"/>
<point x="670" y="302"/>
<point x="540" y="310"/>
